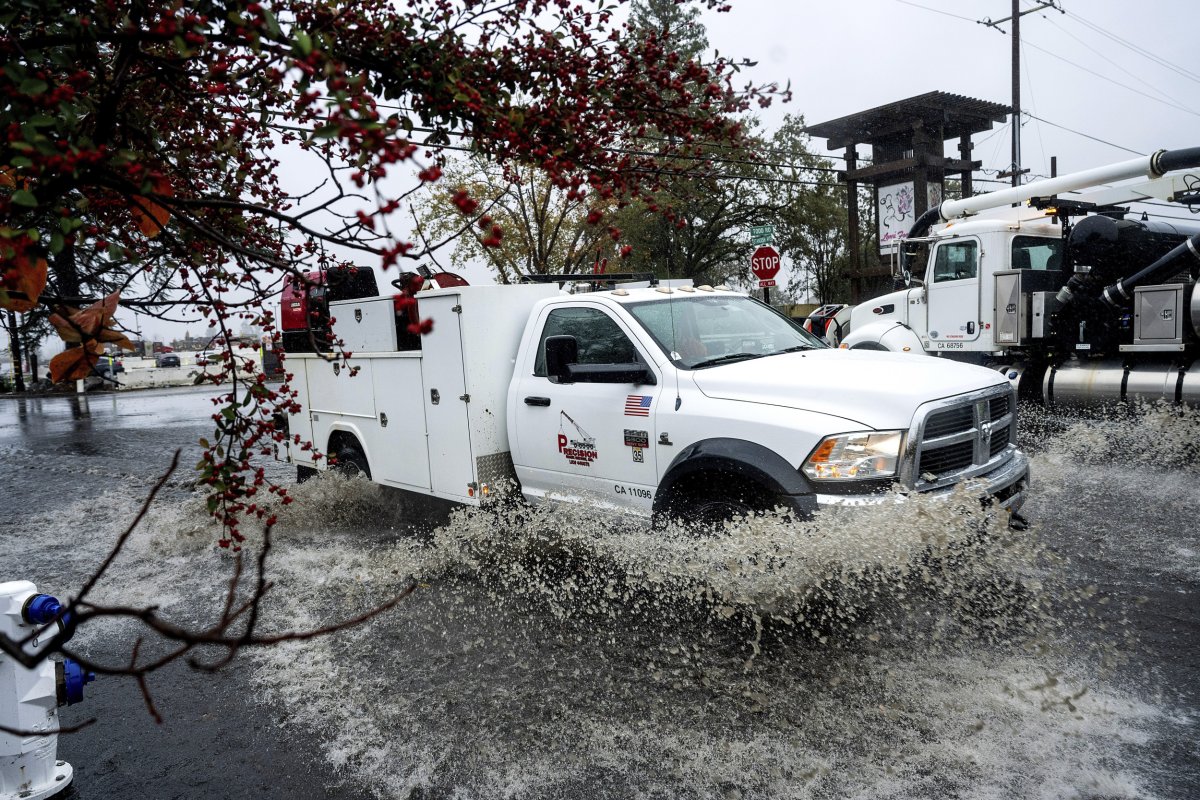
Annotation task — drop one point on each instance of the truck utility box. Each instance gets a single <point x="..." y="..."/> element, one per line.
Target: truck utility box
<point x="1018" y="319"/>
<point x="430" y="420"/>
<point x="365" y="326"/>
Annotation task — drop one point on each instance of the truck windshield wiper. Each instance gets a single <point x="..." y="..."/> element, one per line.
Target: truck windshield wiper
<point x="794" y="349"/>
<point x="728" y="357"/>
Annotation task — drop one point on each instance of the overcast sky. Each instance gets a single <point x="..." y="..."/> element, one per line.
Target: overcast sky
<point x="1097" y="69"/>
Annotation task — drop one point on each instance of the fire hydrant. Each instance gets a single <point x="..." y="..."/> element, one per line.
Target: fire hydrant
<point x="29" y="698"/>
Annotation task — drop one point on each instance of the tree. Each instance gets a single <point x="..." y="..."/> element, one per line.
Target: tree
<point x="673" y="22"/>
<point x="545" y="230"/>
<point x="809" y="214"/>
<point x="693" y="226"/>
<point x="25" y="333"/>
<point x="696" y="227"/>
<point x="150" y="149"/>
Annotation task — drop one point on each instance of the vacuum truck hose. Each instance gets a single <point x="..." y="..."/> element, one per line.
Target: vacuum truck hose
<point x="1165" y="161"/>
<point x="1121" y="292"/>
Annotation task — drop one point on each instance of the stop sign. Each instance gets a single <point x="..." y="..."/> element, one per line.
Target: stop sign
<point x="765" y="263"/>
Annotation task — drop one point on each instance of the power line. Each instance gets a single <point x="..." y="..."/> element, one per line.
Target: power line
<point x="1109" y="60"/>
<point x="1114" y="82"/>
<point x="934" y="10"/>
<point x="1086" y="136"/>
<point x="1135" y="48"/>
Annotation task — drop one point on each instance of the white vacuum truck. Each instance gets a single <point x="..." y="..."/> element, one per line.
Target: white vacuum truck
<point x="1073" y="298"/>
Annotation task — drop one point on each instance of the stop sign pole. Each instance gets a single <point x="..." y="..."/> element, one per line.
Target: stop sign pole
<point x="764" y="263"/>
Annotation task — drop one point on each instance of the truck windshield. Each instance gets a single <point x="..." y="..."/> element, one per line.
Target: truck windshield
<point x="703" y="331"/>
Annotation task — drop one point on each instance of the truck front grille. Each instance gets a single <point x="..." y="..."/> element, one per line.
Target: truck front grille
<point x="962" y="437"/>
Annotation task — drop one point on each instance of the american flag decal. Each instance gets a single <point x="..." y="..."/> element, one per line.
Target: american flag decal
<point x="638" y="405"/>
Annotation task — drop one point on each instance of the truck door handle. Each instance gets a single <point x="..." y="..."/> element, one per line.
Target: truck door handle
<point x="537" y="401"/>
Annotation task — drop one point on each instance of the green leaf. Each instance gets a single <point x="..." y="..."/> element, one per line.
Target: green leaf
<point x="204" y="443"/>
<point x="212" y="503"/>
<point x="33" y="87"/>
<point x="24" y="197"/>
<point x="303" y="43"/>
<point x="272" y="23"/>
<point x="56" y="243"/>
<point x="20" y="161"/>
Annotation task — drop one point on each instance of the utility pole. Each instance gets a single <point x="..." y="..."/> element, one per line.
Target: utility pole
<point x="1015" y="171"/>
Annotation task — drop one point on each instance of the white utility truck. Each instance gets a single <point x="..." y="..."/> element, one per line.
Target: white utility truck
<point x="684" y="401"/>
<point x="1072" y="297"/>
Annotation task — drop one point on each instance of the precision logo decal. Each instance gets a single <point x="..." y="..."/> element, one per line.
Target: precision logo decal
<point x="579" y="452"/>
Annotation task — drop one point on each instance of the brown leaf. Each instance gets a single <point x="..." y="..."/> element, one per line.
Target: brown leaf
<point x="149" y="216"/>
<point x="96" y="317"/>
<point x="115" y="337"/>
<point x="66" y="331"/>
<point x="75" y="363"/>
<point x="26" y="276"/>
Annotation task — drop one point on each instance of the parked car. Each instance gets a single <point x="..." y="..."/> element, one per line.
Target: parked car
<point x="819" y="320"/>
<point x="108" y="366"/>
<point x="166" y="360"/>
<point x="830" y="322"/>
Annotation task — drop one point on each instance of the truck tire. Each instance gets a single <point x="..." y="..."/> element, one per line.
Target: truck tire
<point x="351" y="461"/>
<point x="709" y="500"/>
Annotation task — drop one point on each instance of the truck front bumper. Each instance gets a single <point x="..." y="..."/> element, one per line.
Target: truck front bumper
<point x="1006" y="486"/>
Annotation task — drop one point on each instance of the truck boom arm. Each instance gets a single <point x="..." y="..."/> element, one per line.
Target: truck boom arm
<point x="1153" y="166"/>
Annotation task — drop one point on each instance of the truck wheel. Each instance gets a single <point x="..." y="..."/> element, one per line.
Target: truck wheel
<point x="305" y="474"/>
<point x="716" y="499"/>
<point x="351" y="462"/>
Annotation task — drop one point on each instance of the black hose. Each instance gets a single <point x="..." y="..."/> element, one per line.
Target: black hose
<point x="1165" y="161"/>
<point x="925" y="222"/>
<point x="1121" y="292"/>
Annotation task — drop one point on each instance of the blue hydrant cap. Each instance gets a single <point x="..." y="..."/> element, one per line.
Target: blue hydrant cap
<point x="42" y="608"/>
<point x="75" y="677"/>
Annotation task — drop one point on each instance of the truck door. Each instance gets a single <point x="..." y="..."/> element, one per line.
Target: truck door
<point x="586" y="440"/>
<point x="953" y="294"/>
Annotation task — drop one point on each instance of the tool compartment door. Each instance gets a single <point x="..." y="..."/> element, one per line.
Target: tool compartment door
<point x="451" y="457"/>
<point x="400" y="450"/>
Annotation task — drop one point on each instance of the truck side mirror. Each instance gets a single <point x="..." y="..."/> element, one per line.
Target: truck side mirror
<point x="561" y="351"/>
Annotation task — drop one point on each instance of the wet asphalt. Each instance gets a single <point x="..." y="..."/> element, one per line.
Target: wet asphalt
<point x="215" y="739"/>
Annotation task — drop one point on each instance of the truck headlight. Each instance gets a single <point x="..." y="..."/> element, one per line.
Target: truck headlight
<point x="855" y="456"/>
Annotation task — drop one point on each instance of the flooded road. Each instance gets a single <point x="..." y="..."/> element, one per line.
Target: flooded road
<point x="917" y="651"/>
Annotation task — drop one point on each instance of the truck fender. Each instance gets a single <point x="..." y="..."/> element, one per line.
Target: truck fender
<point x="884" y="335"/>
<point x="753" y="462"/>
